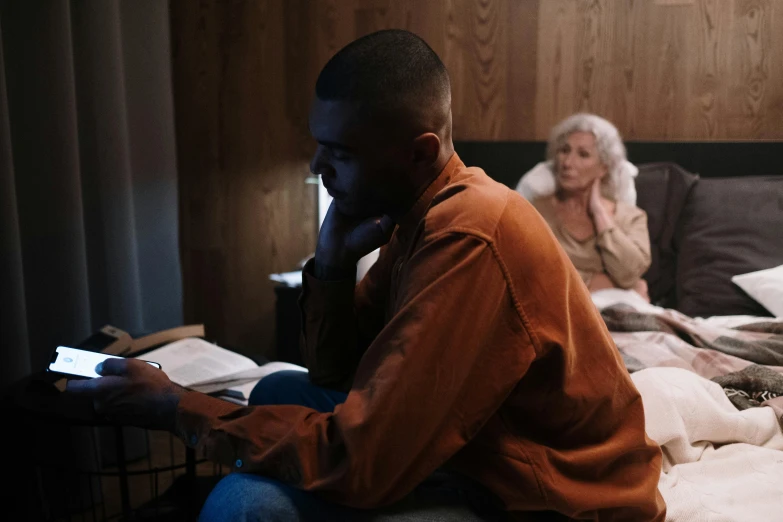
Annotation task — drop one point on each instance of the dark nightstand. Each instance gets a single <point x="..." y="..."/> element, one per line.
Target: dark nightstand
<point x="288" y="324"/>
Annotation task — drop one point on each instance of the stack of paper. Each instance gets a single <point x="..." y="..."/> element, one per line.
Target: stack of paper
<point x="205" y="367"/>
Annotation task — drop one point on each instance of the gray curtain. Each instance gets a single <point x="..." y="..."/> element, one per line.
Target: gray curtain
<point x="88" y="185"/>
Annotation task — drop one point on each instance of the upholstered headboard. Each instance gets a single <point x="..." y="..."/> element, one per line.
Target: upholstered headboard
<point x="506" y="161"/>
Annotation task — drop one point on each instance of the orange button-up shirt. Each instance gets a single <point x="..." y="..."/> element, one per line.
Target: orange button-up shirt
<point x="473" y="345"/>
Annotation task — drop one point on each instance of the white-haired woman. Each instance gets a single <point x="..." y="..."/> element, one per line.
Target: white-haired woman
<point x="586" y="194"/>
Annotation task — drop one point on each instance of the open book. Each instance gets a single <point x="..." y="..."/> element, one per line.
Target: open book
<point x="202" y="366"/>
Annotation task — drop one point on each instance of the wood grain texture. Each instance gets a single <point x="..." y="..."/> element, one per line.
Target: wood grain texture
<point x="712" y="49"/>
<point x="697" y="70"/>
<point x="663" y="86"/>
<point x="489" y="48"/>
<point x="750" y="55"/>
<point x="244" y="72"/>
<point x="556" y="65"/>
<point x="241" y="123"/>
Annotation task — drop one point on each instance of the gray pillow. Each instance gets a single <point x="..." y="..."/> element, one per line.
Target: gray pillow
<point x="662" y="189"/>
<point x="729" y="226"/>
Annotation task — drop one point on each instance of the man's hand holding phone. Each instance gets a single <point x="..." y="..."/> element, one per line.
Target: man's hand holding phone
<point x="133" y="392"/>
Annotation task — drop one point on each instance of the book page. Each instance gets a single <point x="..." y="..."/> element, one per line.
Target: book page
<point x="244" y="380"/>
<point x="240" y="393"/>
<point x="193" y="360"/>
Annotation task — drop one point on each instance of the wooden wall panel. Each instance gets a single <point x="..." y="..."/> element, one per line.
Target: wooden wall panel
<point x="244" y="72"/>
<point x="754" y="98"/>
<point x="659" y="69"/>
<point x="661" y="100"/>
<point x="491" y="60"/>
<point x="245" y="209"/>
<point x="662" y="70"/>
<point x="556" y="71"/>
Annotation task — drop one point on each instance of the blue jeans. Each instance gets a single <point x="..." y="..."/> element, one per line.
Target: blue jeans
<point x="245" y="497"/>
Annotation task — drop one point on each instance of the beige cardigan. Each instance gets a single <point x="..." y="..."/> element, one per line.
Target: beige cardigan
<point x="622" y="251"/>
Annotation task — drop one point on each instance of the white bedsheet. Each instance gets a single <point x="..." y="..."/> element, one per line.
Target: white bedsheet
<point x="719" y="464"/>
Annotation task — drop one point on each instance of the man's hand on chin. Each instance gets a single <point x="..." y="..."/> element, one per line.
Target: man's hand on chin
<point x="344" y="240"/>
<point x="131" y="392"/>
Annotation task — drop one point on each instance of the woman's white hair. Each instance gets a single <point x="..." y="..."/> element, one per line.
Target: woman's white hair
<point x="608" y="142"/>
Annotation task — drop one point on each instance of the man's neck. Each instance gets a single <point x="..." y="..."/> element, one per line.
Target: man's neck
<point x="426" y="180"/>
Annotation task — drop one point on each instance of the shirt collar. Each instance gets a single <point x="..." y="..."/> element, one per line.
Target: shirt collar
<point x="411" y="219"/>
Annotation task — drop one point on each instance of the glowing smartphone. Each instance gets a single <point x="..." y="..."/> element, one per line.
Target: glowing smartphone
<point x="73" y="362"/>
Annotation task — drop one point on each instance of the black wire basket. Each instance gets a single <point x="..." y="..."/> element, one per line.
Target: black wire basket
<point x="67" y="464"/>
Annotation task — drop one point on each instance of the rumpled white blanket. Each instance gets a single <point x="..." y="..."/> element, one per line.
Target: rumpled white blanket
<point x="719" y="464"/>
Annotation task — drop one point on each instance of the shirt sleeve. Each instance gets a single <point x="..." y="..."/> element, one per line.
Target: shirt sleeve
<point x="419" y="396"/>
<point x="339" y="321"/>
<point x="625" y="250"/>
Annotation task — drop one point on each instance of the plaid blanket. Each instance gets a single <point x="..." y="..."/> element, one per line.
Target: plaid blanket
<point x="668" y="338"/>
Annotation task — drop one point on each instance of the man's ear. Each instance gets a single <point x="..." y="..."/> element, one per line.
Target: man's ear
<point x="426" y="149"/>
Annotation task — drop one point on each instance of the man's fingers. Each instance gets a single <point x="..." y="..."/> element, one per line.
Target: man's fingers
<point x="386" y="223"/>
<point x="371" y="234"/>
<point x="92" y="386"/>
<point x="112" y="366"/>
<point x="81" y="387"/>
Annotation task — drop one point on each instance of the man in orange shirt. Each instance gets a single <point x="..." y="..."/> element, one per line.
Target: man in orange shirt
<point x="481" y="381"/>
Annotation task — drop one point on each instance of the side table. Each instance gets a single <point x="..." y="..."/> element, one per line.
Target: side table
<point x="55" y="460"/>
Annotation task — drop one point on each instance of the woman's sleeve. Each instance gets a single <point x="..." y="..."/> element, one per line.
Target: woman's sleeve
<point x="625" y="249"/>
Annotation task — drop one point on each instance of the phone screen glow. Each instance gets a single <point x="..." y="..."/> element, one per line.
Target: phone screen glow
<point x="80" y="362"/>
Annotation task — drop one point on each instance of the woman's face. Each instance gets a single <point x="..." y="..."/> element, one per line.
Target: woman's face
<point x="577" y="162"/>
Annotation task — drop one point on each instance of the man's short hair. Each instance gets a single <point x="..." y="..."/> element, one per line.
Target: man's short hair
<point x="391" y="70"/>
